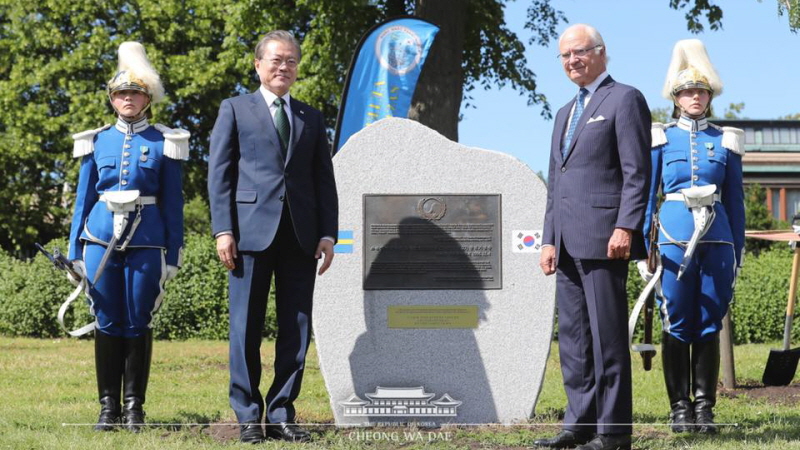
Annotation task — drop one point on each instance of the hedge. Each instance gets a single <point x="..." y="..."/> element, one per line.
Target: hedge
<point x="759" y="302"/>
<point x="196" y="302"/>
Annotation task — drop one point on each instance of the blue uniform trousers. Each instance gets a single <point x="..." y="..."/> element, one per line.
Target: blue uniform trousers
<point x="692" y="308"/>
<point x="129" y="291"/>
<point x="249" y="284"/>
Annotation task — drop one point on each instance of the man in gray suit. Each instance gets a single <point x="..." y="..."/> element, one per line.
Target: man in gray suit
<point x="274" y="210"/>
<point x="596" y="199"/>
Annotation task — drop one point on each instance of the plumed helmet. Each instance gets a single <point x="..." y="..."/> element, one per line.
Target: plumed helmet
<point x="690" y="68"/>
<point x="690" y="78"/>
<point x="136" y="73"/>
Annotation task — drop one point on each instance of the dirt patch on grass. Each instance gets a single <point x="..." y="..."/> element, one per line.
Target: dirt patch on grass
<point x="223" y="432"/>
<point x="778" y="395"/>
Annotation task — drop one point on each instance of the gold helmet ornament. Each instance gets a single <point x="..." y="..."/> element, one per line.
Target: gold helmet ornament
<point x="691" y="78"/>
<point x="690" y="68"/>
<point x="136" y="73"/>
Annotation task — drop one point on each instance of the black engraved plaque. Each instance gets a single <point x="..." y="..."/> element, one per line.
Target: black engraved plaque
<point x="432" y="241"/>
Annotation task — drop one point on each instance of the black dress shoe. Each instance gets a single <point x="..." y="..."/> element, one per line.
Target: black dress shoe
<point x="287" y="431"/>
<point x="251" y="433"/>
<point x="608" y="442"/>
<point x="565" y="439"/>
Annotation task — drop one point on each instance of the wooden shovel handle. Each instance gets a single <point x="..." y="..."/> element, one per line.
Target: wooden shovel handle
<point x="793" y="282"/>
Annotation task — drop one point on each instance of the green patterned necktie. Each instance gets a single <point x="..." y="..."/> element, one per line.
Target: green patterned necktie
<point x="282" y="125"/>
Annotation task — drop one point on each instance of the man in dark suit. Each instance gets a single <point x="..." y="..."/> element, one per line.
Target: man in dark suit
<point x="274" y="210"/>
<point x="596" y="199"/>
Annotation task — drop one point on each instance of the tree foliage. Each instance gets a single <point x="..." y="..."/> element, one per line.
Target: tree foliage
<point x="56" y="57"/>
<point x="792" y="10"/>
<point x="661" y="115"/>
<point x="707" y="8"/>
<point x="757" y="217"/>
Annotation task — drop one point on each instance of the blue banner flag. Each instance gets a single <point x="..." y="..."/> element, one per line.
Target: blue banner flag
<point x="383" y="74"/>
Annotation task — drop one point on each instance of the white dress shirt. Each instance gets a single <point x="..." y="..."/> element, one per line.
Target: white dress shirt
<point x="591" y="87"/>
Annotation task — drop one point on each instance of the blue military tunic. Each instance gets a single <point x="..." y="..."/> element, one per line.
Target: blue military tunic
<point x="696" y="153"/>
<point x="125" y="157"/>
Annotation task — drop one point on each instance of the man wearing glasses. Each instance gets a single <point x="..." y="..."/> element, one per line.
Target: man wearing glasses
<point x="274" y="210"/>
<point x="597" y="194"/>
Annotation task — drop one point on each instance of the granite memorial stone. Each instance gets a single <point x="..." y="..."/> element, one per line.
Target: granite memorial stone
<point x="434" y="310"/>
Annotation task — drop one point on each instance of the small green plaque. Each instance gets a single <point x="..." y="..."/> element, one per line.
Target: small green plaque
<point x="424" y="316"/>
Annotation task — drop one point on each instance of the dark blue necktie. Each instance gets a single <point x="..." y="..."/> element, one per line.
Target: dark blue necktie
<point x="576" y="116"/>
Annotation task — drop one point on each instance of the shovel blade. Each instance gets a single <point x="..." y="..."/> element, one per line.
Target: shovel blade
<point x="781" y="367"/>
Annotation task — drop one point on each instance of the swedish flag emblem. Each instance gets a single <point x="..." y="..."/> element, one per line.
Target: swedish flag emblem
<point x="345" y="242"/>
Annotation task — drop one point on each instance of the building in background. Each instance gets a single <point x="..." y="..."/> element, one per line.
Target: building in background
<point x="772" y="160"/>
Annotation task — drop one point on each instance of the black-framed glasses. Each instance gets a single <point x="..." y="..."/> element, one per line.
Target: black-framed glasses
<point x="578" y="52"/>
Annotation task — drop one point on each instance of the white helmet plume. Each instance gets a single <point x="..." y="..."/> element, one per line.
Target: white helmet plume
<point x="136" y="73"/>
<point x="690" y="54"/>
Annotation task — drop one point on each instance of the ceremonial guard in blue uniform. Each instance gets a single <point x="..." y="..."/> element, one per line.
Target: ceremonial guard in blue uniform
<point x="698" y="168"/>
<point x="127" y="233"/>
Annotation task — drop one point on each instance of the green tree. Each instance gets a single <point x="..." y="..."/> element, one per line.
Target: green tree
<point x="734" y="111"/>
<point x="55" y="58"/>
<point x="661" y="115"/>
<point x="712" y="12"/>
<point x="757" y="217"/>
<point x="792" y="10"/>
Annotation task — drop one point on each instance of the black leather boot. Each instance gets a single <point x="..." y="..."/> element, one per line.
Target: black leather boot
<point x="109" y="361"/>
<point x="138" y="354"/>
<point x="705" y="374"/>
<point x="675" y="359"/>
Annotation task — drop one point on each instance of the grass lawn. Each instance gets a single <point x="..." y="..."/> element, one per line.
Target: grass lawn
<point x="48" y="401"/>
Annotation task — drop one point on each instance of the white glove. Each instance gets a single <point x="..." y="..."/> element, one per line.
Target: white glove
<point x="643" y="271"/>
<point x="79" y="267"/>
<point x="172" y="271"/>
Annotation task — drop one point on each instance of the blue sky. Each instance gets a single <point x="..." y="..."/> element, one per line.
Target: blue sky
<point x="755" y="54"/>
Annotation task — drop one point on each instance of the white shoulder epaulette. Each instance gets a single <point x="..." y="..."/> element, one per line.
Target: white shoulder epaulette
<point x="176" y="142"/>
<point x="733" y="139"/>
<point x="657" y="134"/>
<point x="84" y="141"/>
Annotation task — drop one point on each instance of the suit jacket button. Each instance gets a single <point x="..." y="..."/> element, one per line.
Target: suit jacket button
<point x="563" y="169"/>
<point x="280" y="198"/>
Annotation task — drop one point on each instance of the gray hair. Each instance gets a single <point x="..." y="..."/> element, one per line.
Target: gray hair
<point x="278" y="35"/>
<point x="593" y="34"/>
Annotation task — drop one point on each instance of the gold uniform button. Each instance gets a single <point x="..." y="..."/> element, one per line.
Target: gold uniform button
<point x="124" y="182"/>
<point x="126" y="154"/>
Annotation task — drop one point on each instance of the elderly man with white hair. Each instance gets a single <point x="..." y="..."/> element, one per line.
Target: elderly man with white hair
<point x="596" y="200"/>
